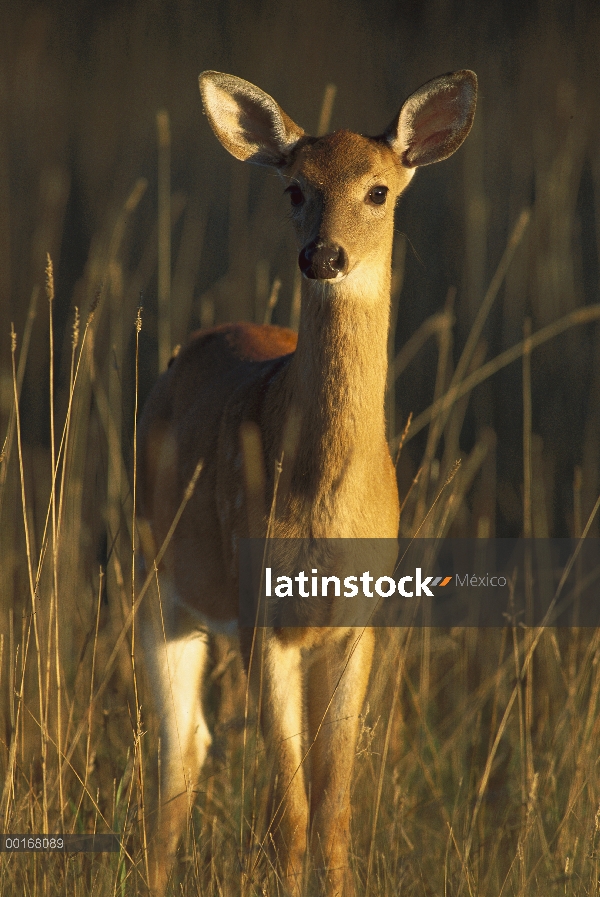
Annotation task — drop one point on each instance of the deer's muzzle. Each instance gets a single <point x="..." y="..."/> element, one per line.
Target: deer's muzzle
<point x="320" y="261"/>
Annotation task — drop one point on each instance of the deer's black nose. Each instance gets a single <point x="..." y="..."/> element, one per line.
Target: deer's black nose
<point x="320" y="261"/>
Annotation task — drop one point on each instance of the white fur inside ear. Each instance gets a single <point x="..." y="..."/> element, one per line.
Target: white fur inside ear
<point x="247" y="121"/>
<point x="224" y="114"/>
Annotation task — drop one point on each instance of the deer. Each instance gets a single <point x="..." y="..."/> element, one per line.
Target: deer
<point x="310" y="407"/>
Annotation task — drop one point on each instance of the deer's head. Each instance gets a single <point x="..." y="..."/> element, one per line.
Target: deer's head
<point x="342" y="187"/>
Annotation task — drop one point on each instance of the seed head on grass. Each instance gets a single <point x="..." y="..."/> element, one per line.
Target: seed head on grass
<point x="75" y="335"/>
<point x="49" y="278"/>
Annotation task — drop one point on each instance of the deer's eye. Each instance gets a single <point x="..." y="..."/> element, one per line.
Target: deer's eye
<point x="377" y="195"/>
<point x="296" y="195"/>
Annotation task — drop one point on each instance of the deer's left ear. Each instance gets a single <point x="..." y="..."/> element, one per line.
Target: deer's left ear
<point x="435" y="120"/>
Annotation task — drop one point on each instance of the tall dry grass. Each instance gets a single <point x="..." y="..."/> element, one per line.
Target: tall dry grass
<point x="476" y="767"/>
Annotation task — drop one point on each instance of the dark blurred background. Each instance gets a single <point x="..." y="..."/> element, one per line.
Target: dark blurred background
<point x="81" y="84"/>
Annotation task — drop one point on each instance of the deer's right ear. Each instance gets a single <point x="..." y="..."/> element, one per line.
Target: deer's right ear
<point x="247" y="121"/>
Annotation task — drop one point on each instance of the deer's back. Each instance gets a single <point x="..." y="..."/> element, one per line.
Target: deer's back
<point x="179" y="426"/>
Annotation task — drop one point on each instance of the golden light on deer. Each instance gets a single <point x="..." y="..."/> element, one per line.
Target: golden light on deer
<point x="241" y="398"/>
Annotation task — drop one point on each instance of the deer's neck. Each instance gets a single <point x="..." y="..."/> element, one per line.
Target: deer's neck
<point x="337" y="381"/>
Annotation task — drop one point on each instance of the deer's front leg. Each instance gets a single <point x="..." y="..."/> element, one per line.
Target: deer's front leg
<point x="337" y="683"/>
<point x="276" y="675"/>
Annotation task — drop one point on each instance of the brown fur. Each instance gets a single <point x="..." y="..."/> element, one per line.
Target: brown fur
<point x="320" y="402"/>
